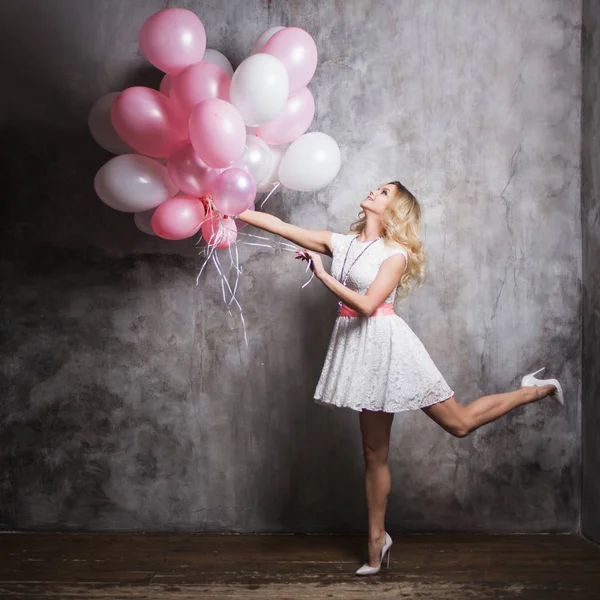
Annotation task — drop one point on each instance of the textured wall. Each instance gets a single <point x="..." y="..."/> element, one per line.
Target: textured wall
<point x="129" y="399"/>
<point x="590" y="208"/>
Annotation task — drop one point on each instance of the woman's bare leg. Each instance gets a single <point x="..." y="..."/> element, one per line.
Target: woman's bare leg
<point x="461" y="420"/>
<point x="375" y="427"/>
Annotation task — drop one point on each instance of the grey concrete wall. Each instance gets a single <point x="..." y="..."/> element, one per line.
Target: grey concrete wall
<point x="590" y="208"/>
<point x="129" y="400"/>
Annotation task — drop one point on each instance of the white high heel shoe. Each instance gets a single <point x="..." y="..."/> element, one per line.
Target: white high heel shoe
<point x="367" y="570"/>
<point x="532" y="380"/>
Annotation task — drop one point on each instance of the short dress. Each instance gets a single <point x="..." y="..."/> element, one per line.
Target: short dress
<point x="375" y="363"/>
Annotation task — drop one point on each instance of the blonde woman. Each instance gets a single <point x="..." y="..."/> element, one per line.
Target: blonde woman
<point x="375" y="363"/>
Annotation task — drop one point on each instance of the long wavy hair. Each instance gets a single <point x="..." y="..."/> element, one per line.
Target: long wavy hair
<point x="401" y="222"/>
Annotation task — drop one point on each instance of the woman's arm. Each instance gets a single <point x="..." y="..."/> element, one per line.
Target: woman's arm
<point x="316" y="240"/>
<point x="387" y="279"/>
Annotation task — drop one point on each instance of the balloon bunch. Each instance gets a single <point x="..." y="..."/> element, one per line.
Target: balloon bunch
<point x="222" y="133"/>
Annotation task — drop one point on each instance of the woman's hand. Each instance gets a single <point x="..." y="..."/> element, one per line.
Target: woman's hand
<point x="314" y="262"/>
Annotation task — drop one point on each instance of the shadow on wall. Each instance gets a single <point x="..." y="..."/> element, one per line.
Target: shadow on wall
<point x="49" y="170"/>
<point x="76" y="361"/>
<point x="73" y="379"/>
<point x="323" y="489"/>
<point x="82" y="383"/>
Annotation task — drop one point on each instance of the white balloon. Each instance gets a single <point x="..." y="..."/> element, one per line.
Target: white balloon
<point x="259" y="89"/>
<point x="101" y="126"/>
<point x="256" y="158"/>
<point x="263" y="38"/>
<point x="310" y="163"/>
<point x="143" y="221"/>
<point x="133" y="183"/>
<point x="217" y="58"/>
<point x="266" y="185"/>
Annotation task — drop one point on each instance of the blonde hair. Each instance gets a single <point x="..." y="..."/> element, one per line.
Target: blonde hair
<point x="401" y="222"/>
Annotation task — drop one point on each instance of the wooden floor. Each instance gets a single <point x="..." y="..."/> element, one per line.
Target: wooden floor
<point x="286" y="567"/>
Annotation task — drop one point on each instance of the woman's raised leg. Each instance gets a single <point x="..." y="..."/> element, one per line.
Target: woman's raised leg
<point x="461" y="420"/>
<point x="375" y="427"/>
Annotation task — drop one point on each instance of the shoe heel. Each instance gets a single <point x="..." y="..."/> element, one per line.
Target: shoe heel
<point x="388" y="557"/>
<point x="530" y="378"/>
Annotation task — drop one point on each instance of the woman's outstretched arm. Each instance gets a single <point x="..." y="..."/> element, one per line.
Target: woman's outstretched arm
<point x="312" y="239"/>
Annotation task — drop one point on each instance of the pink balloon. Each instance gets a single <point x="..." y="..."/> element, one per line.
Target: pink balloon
<point x="178" y="218"/>
<point x="292" y="123"/>
<point x="147" y="121"/>
<point x="189" y="172"/>
<point x="165" y="85"/>
<point x="219" y="231"/>
<point x="241" y="224"/>
<point x="197" y="83"/>
<point x="217" y="132"/>
<point x="173" y="39"/>
<point x="234" y="191"/>
<point x="296" y="49"/>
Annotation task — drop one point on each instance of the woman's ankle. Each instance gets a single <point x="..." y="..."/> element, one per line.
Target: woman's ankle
<point x="376" y="536"/>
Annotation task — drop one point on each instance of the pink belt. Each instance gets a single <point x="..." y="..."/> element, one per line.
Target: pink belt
<point x="381" y="311"/>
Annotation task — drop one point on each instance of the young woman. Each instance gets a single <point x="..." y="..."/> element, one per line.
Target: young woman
<point x="375" y="363"/>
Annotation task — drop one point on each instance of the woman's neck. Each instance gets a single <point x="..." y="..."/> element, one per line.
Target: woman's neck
<point x="371" y="231"/>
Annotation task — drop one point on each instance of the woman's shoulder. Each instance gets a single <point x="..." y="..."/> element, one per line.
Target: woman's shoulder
<point x="392" y="248"/>
<point x="340" y="241"/>
<point x="341" y="237"/>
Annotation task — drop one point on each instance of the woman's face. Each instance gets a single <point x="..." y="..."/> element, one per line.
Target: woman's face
<point x="377" y="200"/>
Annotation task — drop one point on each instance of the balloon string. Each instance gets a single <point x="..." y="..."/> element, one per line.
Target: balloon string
<point x="215" y="239"/>
<point x="309" y="262"/>
<point x="208" y="218"/>
<point x="259" y="237"/>
<point x="210" y="253"/>
<point x="266" y="246"/>
<point x="234" y="264"/>
<point x="237" y="260"/>
<point x="200" y="238"/>
<point x="254" y="244"/>
<point x="311" y="278"/>
<point x="223" y="280"/>
<point x="262" y="237"/>
<point x="237" y="256"/>
<point x="226" y="288"/>
<point x="233" y="298"/>
<point x="212" y="244"/>
<point x="275" y="186"/>
<point x="223" y="288"/>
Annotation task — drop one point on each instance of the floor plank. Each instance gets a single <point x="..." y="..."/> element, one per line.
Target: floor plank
<point x="445" y="566"/>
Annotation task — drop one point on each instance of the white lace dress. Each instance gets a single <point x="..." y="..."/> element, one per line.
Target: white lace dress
<point x="375" y="363"/>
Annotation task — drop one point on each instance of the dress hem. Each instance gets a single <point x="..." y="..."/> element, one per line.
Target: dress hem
<point x="321" y="402"/>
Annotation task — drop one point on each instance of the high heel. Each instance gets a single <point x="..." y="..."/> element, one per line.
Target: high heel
<point x="367" y="570"/>
<point x="529" y="380"/>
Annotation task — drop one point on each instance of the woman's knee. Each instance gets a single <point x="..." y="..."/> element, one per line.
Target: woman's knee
<point x="375" y="429"/>
<point x="461" y="423"/>
<point x="375" y="455"/>
<point x="459" y="429"/>
<point x="452" y="417"/>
